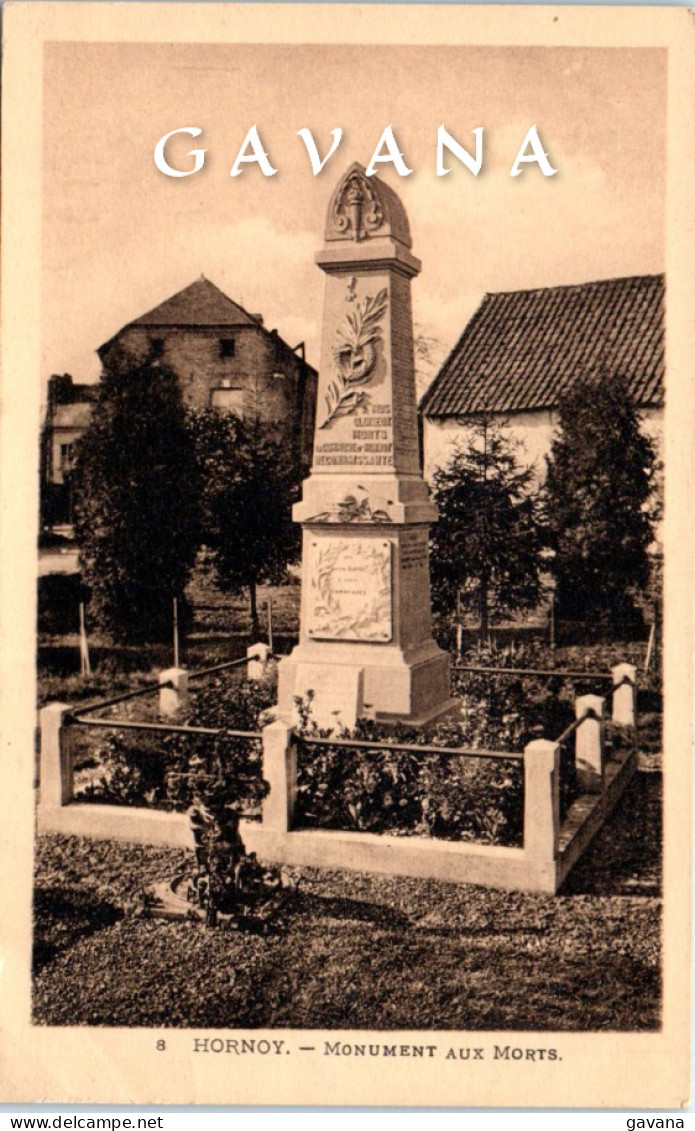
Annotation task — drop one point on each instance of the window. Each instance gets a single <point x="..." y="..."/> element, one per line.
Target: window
<point x="228" y="400"/>
<point x="156" y="347"/>
<point x="227" y="347"/>
<point x="67" y="454"/>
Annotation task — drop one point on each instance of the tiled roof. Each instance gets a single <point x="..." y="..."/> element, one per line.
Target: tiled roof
<point x="200" y="304"/>
<point x="522" y="349"/>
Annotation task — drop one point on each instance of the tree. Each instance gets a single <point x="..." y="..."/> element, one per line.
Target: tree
<point x="249" y="482"/>
<point x="429" y="355"/>
<point x="600" y="475"/>
<point x="486" y="545"/>
<point x="135" y="499"/>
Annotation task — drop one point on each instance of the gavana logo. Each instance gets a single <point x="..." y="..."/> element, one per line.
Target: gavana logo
<point x="635" y="1124"/>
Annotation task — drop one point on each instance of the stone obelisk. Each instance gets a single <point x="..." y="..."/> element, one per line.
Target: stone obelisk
<point x="365" y="644"/>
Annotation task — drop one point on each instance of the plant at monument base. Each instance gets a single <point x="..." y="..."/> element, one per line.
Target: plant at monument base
<point x="407" y="794"/>
<point x="485" y="549"/>
<point x="506" y="712"/>
<point x="249" y="481"/>
<point x="226" y="885"/>
<point x="224" y="874"/>
<point x="135" y="500"/>
<point x="222" y="701"/>
<point x="597" y="497"/>
<point x="126" y="770"/>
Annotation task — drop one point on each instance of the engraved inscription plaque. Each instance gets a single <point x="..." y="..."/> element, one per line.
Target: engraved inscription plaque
<point x="350" y="590"/>
<point x="414" y="547"/>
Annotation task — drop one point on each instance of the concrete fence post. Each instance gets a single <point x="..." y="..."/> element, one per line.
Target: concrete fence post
<point x="55" y="774"/>
<point x="624" y="694"/>
<point x="280" y="771"/>
<point x="174" y="698"/>
<point x="258" y="655"/>
<point x="541" y="800"/>
<point x="589" y="755"/>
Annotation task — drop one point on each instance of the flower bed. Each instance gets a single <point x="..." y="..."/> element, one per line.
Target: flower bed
<point x="145" y="769"/>
<point x="390" y="790"/>
<point x="409" y="794"/>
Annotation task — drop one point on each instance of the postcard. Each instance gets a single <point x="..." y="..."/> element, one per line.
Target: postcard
<point x="347" y="441"/>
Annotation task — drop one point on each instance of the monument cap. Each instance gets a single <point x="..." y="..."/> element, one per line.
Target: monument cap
<point x="364" y="207"/>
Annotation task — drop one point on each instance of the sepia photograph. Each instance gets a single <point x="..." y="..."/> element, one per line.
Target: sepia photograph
<point x="346" y="559"/>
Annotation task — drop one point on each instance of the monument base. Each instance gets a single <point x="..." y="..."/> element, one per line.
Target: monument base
<point x="381" y="682"/>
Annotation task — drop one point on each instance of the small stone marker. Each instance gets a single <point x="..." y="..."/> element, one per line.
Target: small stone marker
<point x="257" y="661"/>
<point x="55" y="774"/>
<point x="340" y="684"/>
<point x="624" y="677"/>
<point x="173" y="698"/>
<point x="365" y="634"/>
<point x="589" y="756"/>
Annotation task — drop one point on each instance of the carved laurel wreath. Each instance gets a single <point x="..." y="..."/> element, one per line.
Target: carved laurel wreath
<point x="372" y="611"/>
<point x="354" y="357"/>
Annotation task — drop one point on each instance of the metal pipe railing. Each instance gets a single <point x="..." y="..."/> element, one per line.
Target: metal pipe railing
<point x="588" y="714"/>
<point x="151" y="688"/>
<point x="222" y="667"/>
<point x="411" y="748"/>
<point x="101" y="704"/>
<point x="531" y="671"/>
<point x="128" y="724"/>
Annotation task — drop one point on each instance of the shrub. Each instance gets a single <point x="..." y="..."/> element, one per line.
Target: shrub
<point x="405" y="793"/>
<point x="142" y="768"/>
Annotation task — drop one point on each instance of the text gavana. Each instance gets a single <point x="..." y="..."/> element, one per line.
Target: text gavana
<point x="386" y="151"/>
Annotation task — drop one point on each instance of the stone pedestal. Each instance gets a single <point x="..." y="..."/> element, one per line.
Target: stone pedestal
<point x="365" y="637"/>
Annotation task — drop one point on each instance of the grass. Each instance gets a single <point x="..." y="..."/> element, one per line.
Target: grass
<point x="357" y="951"/>
<point x="221" y="632"/>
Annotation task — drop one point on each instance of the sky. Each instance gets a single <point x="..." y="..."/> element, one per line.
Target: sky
<point x="119" y="236"/>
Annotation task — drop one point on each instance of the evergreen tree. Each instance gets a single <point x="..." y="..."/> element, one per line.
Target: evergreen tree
<point x="135" y="500"/>
<point x="600" y="472"/>
<point x="486" y="545"/>
<point x="249" y="481"/>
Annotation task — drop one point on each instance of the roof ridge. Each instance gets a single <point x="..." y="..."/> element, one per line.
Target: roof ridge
<point x="575" y="286"/>
<point x="180" y="308"/>
<point x="521" y="349"/>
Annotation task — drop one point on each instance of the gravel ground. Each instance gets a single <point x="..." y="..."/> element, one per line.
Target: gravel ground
<point x="357" y="951"/>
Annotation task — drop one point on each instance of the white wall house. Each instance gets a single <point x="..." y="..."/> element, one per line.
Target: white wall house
<point x="522" y="349"/>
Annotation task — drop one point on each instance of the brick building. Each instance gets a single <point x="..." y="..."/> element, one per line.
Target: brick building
<point x="224" y="358"/>
<point x="521" y="350"/>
